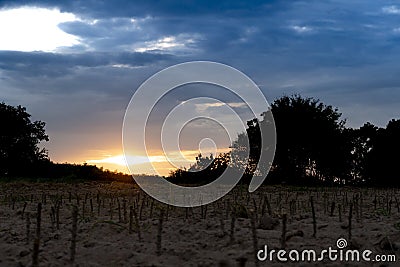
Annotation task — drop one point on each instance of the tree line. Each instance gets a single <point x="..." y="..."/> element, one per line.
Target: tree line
<point x="314" y="147"/>
<point x="21" y="157"/>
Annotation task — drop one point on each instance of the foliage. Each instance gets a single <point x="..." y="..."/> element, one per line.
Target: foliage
<point x="382" y="157"/>
<point x="19" y="139"/>
<point x="310" y="141"/>
<point x="204" y="171"/>
<point x="313" y="147"/>
<point x="21" y="157"/>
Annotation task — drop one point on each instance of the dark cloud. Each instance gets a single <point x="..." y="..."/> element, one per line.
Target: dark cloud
<point x="141" y="8"/>
<point x="58" y="64"/>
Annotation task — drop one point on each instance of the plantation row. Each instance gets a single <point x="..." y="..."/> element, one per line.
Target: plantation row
<point x="64" y="224"/>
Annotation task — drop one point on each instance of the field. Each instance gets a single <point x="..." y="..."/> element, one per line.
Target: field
<point x="114" y="224"/>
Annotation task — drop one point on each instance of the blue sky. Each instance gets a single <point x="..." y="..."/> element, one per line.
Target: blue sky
<point x="75" y="64"/>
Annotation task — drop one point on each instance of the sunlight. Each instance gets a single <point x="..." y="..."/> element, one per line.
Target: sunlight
<point x="120" y="160"/>
<point x="183" y="42"/>
<point x="161" y="44"/>
<point x="140" y="164"/>
<point x="160" y="164"/>
<point x="34" y="29"/>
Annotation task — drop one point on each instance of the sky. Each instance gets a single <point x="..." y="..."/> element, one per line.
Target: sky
<point x="76" y="64"/>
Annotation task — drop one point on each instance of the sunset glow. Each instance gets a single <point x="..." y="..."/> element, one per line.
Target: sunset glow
<point x="158" y="161"/>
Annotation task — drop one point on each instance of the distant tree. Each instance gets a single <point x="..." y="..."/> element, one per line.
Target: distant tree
<point x="19" y="139"/>
<point x="313" y="147"/>
<point x="310" y="143"/>
<point x="203" y="171"/>
<point x="201" y="163"/>
<point x="246" y="150"/>
<point x="362" y="141"/>
<point x="382" y="162"/>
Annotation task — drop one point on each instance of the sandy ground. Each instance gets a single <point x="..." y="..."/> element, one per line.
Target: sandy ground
<point x="194" y="236"/>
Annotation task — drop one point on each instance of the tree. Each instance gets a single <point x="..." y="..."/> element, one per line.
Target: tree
<point x="246" y="150"/>
<point x="310" y="143"/>
<point x="381" y="165"/>
<point x="19" y="139"/>
<point x="313" y="147"/>
<point x="203" y="171"/>
<point x="201" y="163"/>
<point x="362" y="141"/>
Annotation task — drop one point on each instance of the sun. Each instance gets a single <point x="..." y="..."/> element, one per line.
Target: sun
<point x="120" y="160"/>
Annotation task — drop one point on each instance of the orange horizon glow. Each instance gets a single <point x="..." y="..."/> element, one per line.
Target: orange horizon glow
<point x="116" y="162"/>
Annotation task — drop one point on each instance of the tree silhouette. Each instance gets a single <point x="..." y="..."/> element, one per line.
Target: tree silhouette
<point x="203" y="171"/>
<point x="21" y="157"/>
<point x="201" y="162"/>
<point x="310" y="144"/>
<point x="19" y="139"/>
<point x="361" y="141"/>
<point x="246" y="150"/>
<point x="313" y="147"/>
<point x="382" y="161"/>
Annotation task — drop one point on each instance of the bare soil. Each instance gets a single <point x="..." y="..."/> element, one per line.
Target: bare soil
<point x="199" y="236"/>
